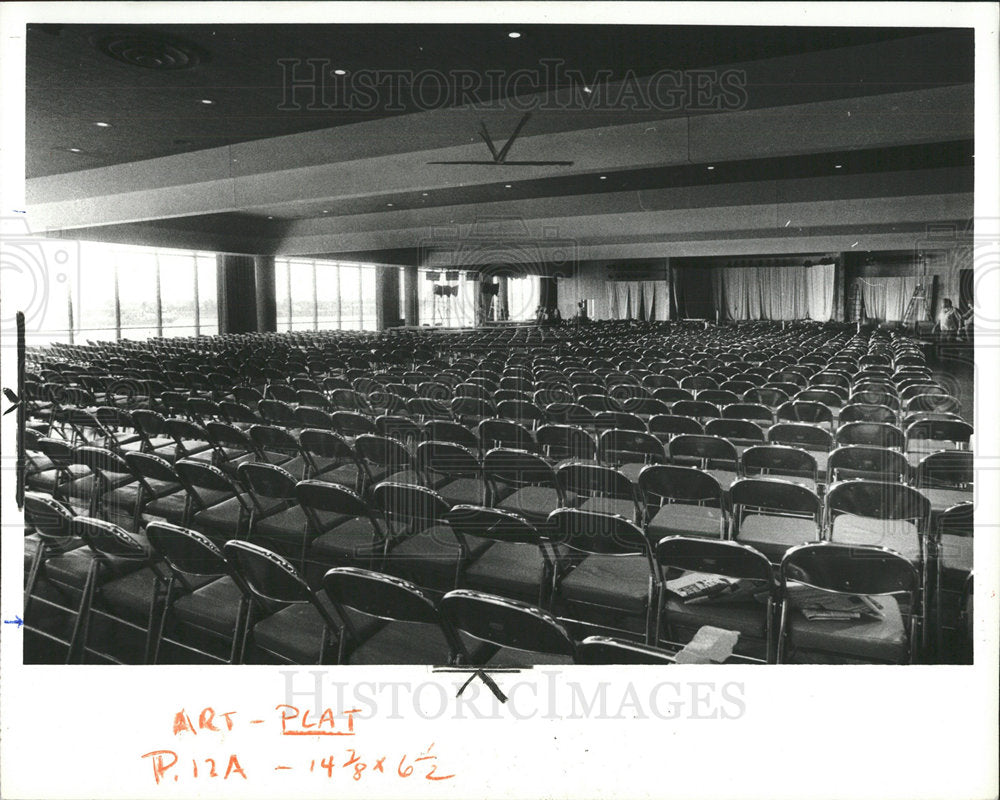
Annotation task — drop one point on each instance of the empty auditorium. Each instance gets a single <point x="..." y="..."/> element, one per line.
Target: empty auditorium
<point x="494" y="345"/>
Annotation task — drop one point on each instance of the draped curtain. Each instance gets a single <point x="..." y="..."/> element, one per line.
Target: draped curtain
<point x="885" y="299"/>
<point x="639" y="299"/>
<point x="778" y="293"/>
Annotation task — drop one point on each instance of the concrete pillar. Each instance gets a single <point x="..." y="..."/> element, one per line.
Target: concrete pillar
<point x="237" y="292"/>
<point x="411" y="305"/>
<point x="387" y="297"/>
<point x="267" y="312"/>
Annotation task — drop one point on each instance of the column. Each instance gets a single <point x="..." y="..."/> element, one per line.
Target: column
<point x="387" y="297"/>
<point x="237" y="292"/>
<point x="267" y="312"/>
<point x="411" y="305"/>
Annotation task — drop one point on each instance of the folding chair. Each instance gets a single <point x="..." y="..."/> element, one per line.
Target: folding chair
<point x="772" y="515"/>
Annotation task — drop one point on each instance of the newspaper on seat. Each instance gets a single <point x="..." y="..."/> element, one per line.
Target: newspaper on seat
<point x="816" y="604"/>
<point x="708" y="645"/>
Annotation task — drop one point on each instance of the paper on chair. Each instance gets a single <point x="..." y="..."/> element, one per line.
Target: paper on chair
<point x="709" y="644"/>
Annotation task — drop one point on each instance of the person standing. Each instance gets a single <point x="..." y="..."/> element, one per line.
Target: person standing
<point x="948" y="320"/>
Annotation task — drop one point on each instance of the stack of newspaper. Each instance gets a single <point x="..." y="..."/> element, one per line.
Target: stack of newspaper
<point x="817" y="604"/>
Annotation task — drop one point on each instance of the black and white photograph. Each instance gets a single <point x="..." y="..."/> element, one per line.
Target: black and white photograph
<point x="379" y="370"/>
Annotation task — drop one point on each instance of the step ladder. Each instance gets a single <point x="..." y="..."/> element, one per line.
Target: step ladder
<point x="919" y="298"/>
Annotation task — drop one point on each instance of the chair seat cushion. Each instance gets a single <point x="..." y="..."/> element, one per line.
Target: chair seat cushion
<point x="747" y="617"/>
<point x="509" y="657"/>
<point x="285" y="531"/>
<point x="344" y="475"/>
<point x="470" y="491"/>
<point x="347" y="544"/>
<point x="631" y="471"/>
<point x="171" y="507"/>
<point x="725" y="477"/>
<point x="689" y="520"/>
<point x="955" y="553"/>
<point x="898" y="535"/>
<point x="411" y="643"/>
<point x="431" y="480"/>
<point x="942" y="499"/>
<point x="509" y="569"/>
<point x="774" y="535"/>
<point x="431" y="558"/>
<point x="213" y="606"/>
<point x="611" y="505"/>
<point x="130" y="596"/>
<point x="70" y="569"/>
<point x="866" y="639"/>
<point x="226" y="518"/>
<point x="616" y="582"/>
<point x="296" y="632"/>
<point x="533" y="502"/>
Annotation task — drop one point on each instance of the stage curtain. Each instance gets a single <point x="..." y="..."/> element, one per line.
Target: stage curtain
<point x="648" y="298"/>
<point x="885" y="299"/>
<point x="661" y="303"/>
<point x="634" y="298"/>
<point x="777" y="293"/>
<point x="820" y="291"/>
<point x="621" y="300"/>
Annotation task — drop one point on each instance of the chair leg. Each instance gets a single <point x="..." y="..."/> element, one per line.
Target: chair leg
<point x="81" y="627"/>
<point x="36" y="564"/>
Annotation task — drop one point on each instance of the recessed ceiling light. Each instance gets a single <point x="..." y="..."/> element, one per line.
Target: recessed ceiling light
<point x="587" y="90"/>
<point x="423" y="194"/>
<point x="103" y="124"/>
<point x="75" y="150"/>
<point x="270" y="217"/>
<point x="710" y="167"/>
<point x="514" y="35"/>
<point x="388" y="205"/>
<point x="340" y="72"/>
<point x="838" y="166"/>
<point x="506" y="186"/>
<point x="603" y="177"/>
<point x="325" y="211"/>
<point x="207" y="102"/>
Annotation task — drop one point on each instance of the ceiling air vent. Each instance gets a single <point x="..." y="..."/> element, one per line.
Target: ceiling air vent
<point x="151" y="51"/>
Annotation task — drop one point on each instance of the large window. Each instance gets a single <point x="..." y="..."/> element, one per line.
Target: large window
<point x="108" y="292"/>
<point x="318" y="295"/>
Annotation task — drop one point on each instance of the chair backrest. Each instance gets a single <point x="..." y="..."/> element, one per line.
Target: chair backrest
<point x="875" y="434"/>
<point x="596" y="533"/>
<point x="946" y="468"/>
<point x="617" y="446"/>
<point x="147" y="467"/>
<point x="732" y="559"/>
<point x="108" y="540"/>
<point x="805" y="410"/>
<point x="672" y="483"/>
<point x="50" y="518"/>
<point x="506" y="623"/>
<point x="448" y="458"/>
<point x="565" y="441"/>
<point x="945" y="430"/>
<point x="409" y="506"/>
<point x="699" y="409"/>
<point x="862" y="461"/>
<point x="800" y="434"/>
<point x="518" y="468"/>
<point x="849" y="569"/>
<point x="957" y="520"/>
<point x="735" y="430"/>
<point x="186" y="551"/>
<point x="597" y="650"/>
<point x="506" y="433"/>
<point x="864" y="412"/>
<point x="778" y="459"/>
<point x="878" y="500"/>
<point x="449" y="431"/>
<point x="382" y="451"/>
<point x="265" y="574"/>
<point x="267" y="480"/>
<point x="586" y="479"/>
<point x="704" y="448"/>
<point x="274" y="439"/>
<point x="773" y="495"/>
<point x="494" y="524"/>
<point x="384" y="596"/>
<point x="666" y="425"/>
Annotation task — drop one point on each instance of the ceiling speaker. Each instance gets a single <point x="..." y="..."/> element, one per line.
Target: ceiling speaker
<point x="152" y="51"/>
